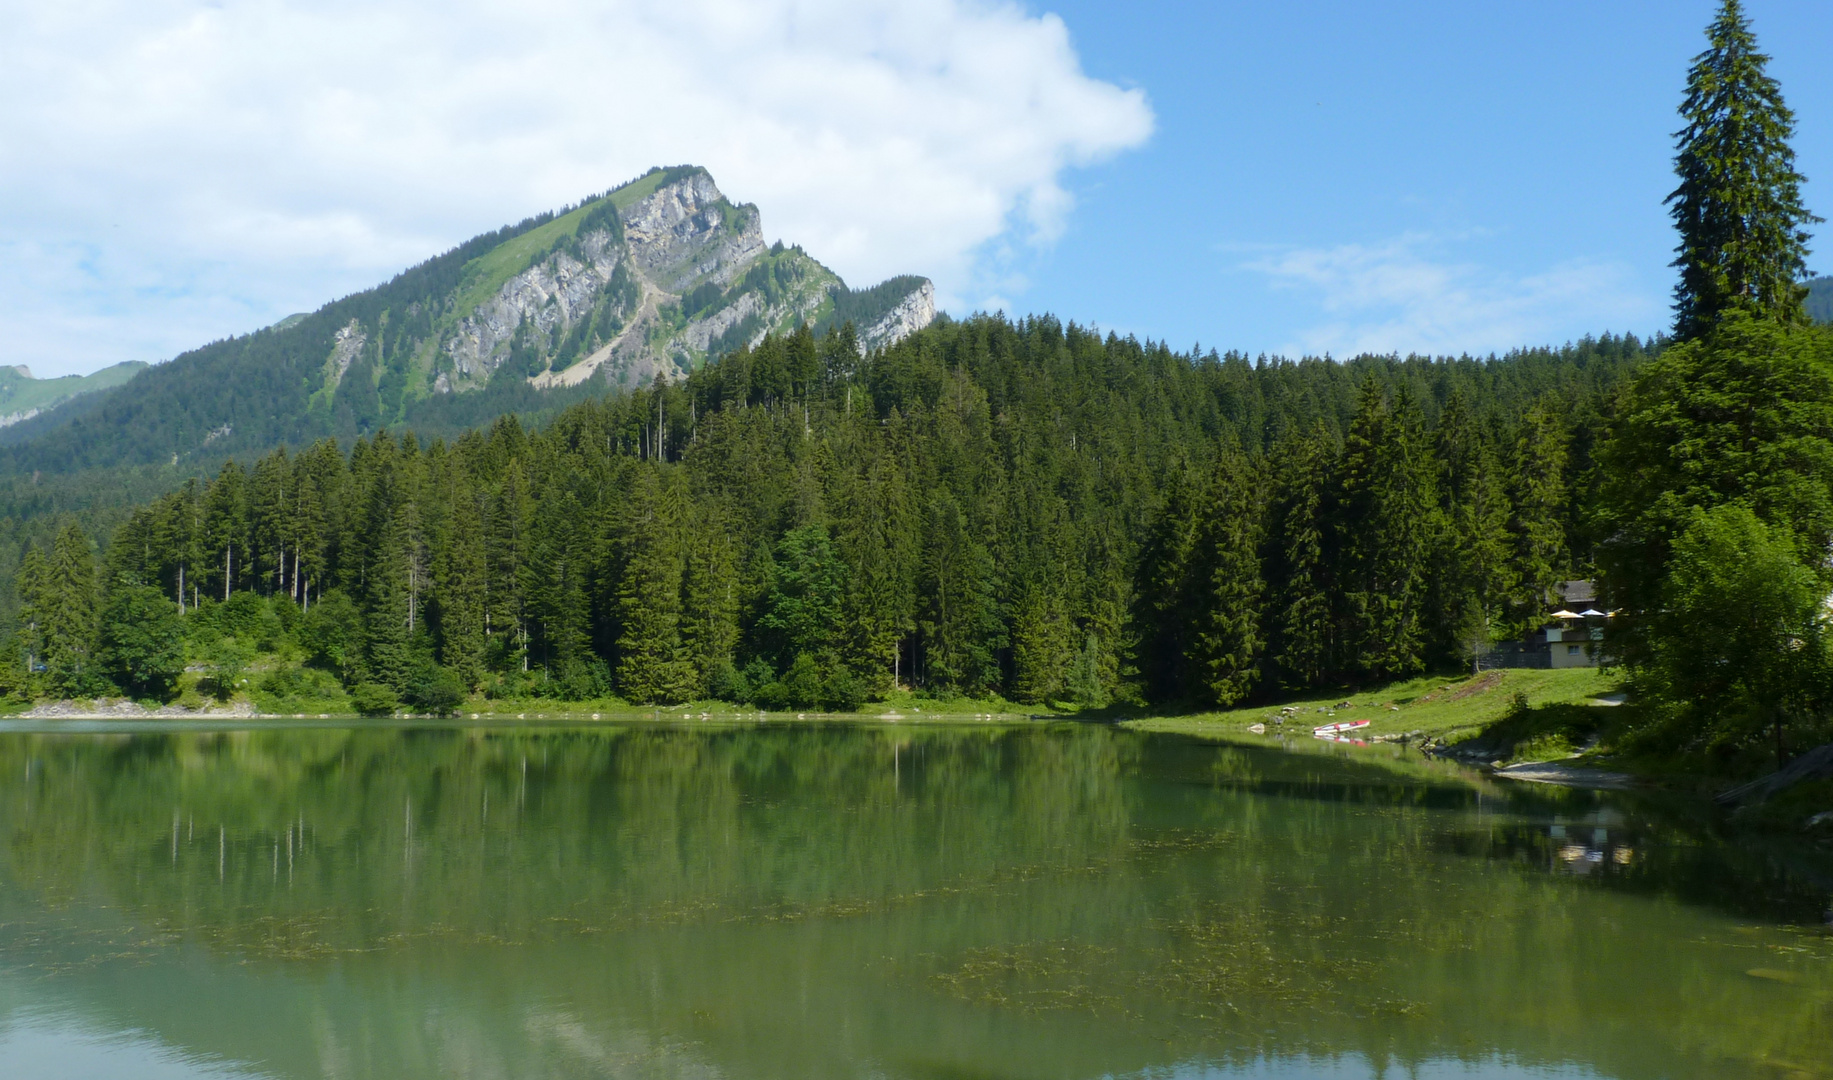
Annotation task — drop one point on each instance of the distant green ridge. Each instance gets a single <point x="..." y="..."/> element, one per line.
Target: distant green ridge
<point x="22" y="396"/>
<point x="1820" y="299"/>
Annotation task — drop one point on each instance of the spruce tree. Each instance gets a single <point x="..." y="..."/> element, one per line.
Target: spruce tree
<point x="66" y="610"/>
<point x="1539" y="505"/>
<point x="1042" y="645"/>
<point x="653" y="668"/>
<point x="1227" y="640"/>
<point x="458" y="578"/>
<point x="506" y="554"/>
<point x="961" y="626"/>
<point x="1743" y="236"/>
<point x="1473" y="575"/>
<point x="226" y="528"/>
<point x="710" y="601"/>
<point x="1386" y="528"/>
<point x="1168" y="600"/>
<point x="1303" y="630"/>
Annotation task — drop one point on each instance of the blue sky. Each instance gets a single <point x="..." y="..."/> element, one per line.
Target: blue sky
<point x="1405" y="176"/>
<point x="1294" y="178"/>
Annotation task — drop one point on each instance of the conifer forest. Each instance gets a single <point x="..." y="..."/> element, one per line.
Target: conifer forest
<point x="1028" y="510"/>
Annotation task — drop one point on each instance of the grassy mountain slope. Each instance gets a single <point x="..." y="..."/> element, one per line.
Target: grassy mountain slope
<point x="23" y="397"/>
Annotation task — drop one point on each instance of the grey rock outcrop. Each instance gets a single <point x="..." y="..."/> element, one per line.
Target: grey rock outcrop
<point x="686" y="231"/>
<point x="911" y="314"/>
<point x="681" y="275"/>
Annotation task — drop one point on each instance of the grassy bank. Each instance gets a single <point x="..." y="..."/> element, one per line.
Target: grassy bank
<point x="1439" y="708"/>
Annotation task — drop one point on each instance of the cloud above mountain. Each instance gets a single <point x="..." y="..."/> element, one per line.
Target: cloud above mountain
<point x="1413" y="294"/>
<point x="178" y="171"/>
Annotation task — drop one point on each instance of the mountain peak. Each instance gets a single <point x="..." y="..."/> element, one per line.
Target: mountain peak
<point x="648" y="280"/>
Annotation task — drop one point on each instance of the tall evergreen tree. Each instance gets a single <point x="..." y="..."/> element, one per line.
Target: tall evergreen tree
<point x="1743" y="235"/>
<point x="710" y="598"/>
<point x="1303" y="630"/>
<point x="1539" y="483"/>
<point x="66" y="606"/>
<point x="1228" y="639"/>
<point x="1473" y="575"/>
<point x="961" y="628"/>
<point x="459" y="569"/>
<point x="1042" y="644"/>
<point x="1168" y="598"/>
<point x="653" y="668"/>
<point x="1386" y="528"/>
<point x="226" y="527"/>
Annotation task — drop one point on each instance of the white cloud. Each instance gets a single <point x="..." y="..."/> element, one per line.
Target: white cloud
<point x="1407" y="296"/>
<point x="174" y="171"/>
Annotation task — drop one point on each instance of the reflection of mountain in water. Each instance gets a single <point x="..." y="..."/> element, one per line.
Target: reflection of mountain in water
<point x="836" y="902"/>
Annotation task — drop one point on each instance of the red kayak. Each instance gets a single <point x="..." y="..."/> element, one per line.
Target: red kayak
<point x="1332" y="729"/>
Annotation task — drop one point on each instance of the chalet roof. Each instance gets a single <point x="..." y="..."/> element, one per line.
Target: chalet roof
<point x="1576" y="594"/>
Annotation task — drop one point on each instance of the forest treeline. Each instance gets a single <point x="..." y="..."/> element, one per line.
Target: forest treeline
<point x="1026" y="509"/>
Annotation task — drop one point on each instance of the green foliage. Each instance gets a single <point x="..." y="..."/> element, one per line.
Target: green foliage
<point x="374" y="699"/>
<point x="1739" y="645"/>
<point x="802" y="611"/>
<point x="1743" y="226"/>
<point x="142" y="642"/>
<point x="1742" y="415"/>
<point x="1228" y="637"/>
<point x="435" y="689"/>
<point x="228" y="659"/>
<point x="291" y="688"/>
<point x="331" y="632"/>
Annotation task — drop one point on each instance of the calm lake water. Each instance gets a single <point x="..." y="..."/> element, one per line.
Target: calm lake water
<point x="874" y="901"/>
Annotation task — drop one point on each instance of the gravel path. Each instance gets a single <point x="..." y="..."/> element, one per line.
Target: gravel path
<point x="1552" y="772"/>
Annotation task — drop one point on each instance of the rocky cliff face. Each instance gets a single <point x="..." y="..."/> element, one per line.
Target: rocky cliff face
<point x="686" y="233"/>
<point x="912" y="313"/>
<point x="648" y="280"/>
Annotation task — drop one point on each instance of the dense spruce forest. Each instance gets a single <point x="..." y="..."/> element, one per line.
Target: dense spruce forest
<point x="1029" y="510"/>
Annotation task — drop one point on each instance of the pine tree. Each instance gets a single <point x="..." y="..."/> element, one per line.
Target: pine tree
<point x="65" y="607"/>
<point x="270" y="521"/>
<point x="1226" y="646"/>
<point x="459" y="569"/>
<point x="226" y="527"/>
<point x="34" y="602"/>
<point x="1167" y="596"/>
<point x="388" y="592"/>
<point x="652" y="665"/>
<point x="874" y="532"/>
<point x="961" y="627"/>
<point x="1539" y="504"/>
<point x="709" y="627"/>
<point x="559" y="591"/>
<point x="1304" y="632"/>
<point x="1473" y="576"/>
<point x="1042" y="645"/>
<point x="1743" y="236"/>
<point x="506" y="552"/>
<point x="1386" y="529"/>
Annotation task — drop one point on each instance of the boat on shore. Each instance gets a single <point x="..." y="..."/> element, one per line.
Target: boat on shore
<point x="1337" y="729"/>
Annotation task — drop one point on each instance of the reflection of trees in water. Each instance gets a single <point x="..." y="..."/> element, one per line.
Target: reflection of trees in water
<point x="361" y="834"/>
<point x="924" y="901"/>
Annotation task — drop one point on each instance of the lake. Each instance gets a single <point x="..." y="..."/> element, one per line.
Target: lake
<point x="810" y="901"/>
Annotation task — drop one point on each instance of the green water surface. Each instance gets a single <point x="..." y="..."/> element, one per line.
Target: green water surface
<point x="778" y="901"/>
